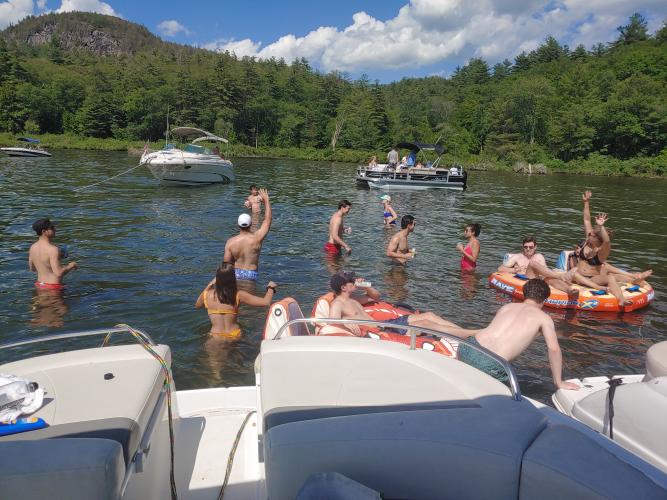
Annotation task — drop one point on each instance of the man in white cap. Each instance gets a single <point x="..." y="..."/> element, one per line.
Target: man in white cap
<point x="243" y="249"/>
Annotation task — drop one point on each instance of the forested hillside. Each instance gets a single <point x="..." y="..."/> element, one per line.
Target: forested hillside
<point x="93" y="75"/>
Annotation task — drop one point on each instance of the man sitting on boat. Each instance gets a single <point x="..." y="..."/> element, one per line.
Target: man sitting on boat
<point x="346" y="306"/>
<point x="511" y="331"/>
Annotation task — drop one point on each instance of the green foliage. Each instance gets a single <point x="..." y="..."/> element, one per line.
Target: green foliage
<point x="601" y="111"/>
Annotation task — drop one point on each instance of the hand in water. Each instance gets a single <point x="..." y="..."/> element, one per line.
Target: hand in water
<point x="601" y="218"/>
<point x="568" y="386"/>
<point x="349" y="250"/>
<point x="347" y="230"/>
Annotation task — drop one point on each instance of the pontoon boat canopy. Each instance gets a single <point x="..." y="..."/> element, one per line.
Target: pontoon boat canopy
<point x="202" y="135"/>
<point x="28" y="139"/>
<point x="416" y="146"/>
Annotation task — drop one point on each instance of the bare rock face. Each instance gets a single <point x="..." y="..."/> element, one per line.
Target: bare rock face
<point x="101" y="43"/>
<point x="41" y="37"/>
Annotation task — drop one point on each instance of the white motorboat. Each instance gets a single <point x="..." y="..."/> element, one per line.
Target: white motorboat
<point x="414" y="177"/>
<point x="630" y="409"/>
<point x="328" y="417"/>
<point x="29" y="149"/>
<point x="192" y="165"/>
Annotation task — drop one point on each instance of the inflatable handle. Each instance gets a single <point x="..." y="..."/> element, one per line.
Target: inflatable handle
<point x="522" y="276"/>
<point x="633" y="288"/>
<point x="598" y="292"/>
<point x="404" y="306"/>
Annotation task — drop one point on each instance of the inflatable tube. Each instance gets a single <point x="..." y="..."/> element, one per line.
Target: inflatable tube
<point x="637" y="296"/>
<point x="382" y="311"/>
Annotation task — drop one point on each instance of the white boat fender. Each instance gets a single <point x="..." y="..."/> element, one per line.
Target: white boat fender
<point x="18" y="397"/>
<point x="613" y="384"/>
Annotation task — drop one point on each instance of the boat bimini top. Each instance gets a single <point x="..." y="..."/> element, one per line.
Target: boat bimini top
<point x="28" y="139"/>
<point x="201" y="135"/>
<point x="420" y="146"/>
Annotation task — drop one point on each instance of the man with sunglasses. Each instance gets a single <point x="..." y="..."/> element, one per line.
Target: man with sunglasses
<point x="44" y="257"/>
<point x="518" y="262"/>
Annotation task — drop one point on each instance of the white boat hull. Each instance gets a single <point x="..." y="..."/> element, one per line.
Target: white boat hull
<point x="26" y="152"/>
<point x="177" y="167"/>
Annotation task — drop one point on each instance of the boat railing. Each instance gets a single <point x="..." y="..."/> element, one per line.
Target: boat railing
<point x="106" y="332"/>
<point x="413" y="332"/>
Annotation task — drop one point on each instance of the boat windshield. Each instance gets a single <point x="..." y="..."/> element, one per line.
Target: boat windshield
<point x="192" y="148"/>
<point x="169" y="147"/>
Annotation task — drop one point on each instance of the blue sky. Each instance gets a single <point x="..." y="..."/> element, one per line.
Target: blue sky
<point x="385" y="39"/>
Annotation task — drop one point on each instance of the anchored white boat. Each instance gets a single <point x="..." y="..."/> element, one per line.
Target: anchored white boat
<point x="29" y="149"/>
<point x="192" y="165"/>
<point x="327" y="417"/>
<point x="414" y="176"/>
<point x="630" y="409"/>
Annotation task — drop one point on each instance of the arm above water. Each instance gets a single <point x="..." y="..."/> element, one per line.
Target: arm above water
<point x="588" y="227"/>
<point x="54" y="260"/>
<point x="555" y="354"/>
<point x="268" y="215"/>
<point x="508" y="265"/>
<point x="254" y="300"/>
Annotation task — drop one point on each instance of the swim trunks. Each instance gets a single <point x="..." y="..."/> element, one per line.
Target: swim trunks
<point x="246" y="274"/>
<point x="476" y="359"/>
<point x="49" y="286"/>
<point x="332" y="248"/>
<point x="401" y="320"/>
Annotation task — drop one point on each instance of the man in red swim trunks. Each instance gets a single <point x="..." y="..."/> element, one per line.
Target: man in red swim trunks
<point x="44" y="257"/>
<point x="336" y="229"/>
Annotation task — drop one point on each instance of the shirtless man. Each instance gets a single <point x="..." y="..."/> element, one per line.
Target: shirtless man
<point x="398" y="244"/>
<point x="335" y="243"/>
<point x="345" y="306"/>
<point x="243" y="249"/>
<point x="44" y="257"/>
<point x="512" y="330"/>
<point x="254" y="200"/>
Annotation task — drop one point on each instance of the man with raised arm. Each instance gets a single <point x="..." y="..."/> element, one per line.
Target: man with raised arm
<point x="243" y="249"/>
<point x="511" y="331"/>
<point x="335" y="243"/>
<point x="44" y="257"/>
<point x="398" y="247"/>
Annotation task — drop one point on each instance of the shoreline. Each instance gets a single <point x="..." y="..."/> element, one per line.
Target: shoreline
<point x="595" y="164"/>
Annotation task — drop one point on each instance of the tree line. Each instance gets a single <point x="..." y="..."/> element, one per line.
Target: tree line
<point x="554" y="104"/>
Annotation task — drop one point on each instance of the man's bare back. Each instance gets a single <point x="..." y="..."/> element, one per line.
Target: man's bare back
<point x="243" y="250"/>
<point x="44" y="256"/>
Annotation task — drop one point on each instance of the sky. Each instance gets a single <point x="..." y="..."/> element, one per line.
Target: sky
<point x="386" y="40"/>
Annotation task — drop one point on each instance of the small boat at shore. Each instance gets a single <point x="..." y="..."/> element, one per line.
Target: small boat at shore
<point x="29" y="149"/>
<point x="636" y="296"/>
<point x="192" y="165"/>
<point x="327" y="417"/>
<point x="630" y="409"/>
<point x="429" y="176"/>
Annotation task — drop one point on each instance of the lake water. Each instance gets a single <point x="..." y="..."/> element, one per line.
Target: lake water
<point x="146" y="251"/>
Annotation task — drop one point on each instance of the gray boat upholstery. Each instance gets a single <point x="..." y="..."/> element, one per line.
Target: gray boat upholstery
<point x="61" y="469"/>
<point x="656" y="361"/>
<point x="565" y="463"/>
<point x="107" y="393"/>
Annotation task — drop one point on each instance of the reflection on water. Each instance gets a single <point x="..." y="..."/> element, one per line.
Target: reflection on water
<point x="146" y="251"/>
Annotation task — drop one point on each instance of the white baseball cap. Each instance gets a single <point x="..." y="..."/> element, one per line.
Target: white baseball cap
<point x="245" y="220"/>
<point x="385" y="197"/>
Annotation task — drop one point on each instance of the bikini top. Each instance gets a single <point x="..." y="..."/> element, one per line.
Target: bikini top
<point x="593" y="261"/>
<point x="222" y="311"/>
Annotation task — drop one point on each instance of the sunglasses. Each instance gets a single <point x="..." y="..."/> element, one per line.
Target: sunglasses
<point x="529" y="247"/>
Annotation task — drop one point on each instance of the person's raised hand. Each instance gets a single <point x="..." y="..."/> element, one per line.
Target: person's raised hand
<point x="264" y="194"/>
<point x="586" y="196"/>
<point x="601" y="218"/>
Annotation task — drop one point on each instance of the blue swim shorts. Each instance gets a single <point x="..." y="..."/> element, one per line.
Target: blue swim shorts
<point x="475" y="358"/>
<point x="246" y="274"/>
<point x="401" y="320"/>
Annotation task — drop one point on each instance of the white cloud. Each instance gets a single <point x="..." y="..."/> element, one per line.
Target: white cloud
<point x="427" y="32"/>
<point x="87" y="6"/>
<point x="171" y="28"/>
<point x="13" y="11"/>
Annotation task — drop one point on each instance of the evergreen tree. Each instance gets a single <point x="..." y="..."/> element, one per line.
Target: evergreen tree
<point x="634" y="31"/>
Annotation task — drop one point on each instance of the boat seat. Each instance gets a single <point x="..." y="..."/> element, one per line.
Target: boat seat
<point x="281" y="312"/>
<point x="61" y="469"/>
<point x="107" y="393"/>
<point x="564" y="463"/>
<point x="656" y="361"/>
<point x="366" y="447"/>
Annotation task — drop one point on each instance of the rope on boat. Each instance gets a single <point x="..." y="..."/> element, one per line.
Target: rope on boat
<point x="167" y="384"/>
<point x="230" y="460"/>
<point x="105" y="180"/>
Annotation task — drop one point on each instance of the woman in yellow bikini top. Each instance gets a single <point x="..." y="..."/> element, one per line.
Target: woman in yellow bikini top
<point x="221" y="298"/>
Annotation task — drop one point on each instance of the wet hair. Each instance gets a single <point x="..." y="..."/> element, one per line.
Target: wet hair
<point x="41" y="225"/>
<point x="406" y="220"/>
<point x="529" y="239"/>
<point x="344" y="203"/>
<point x="536" y="289"/>
<point x="475" y="228"/>
<point x="225" y="284"/>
